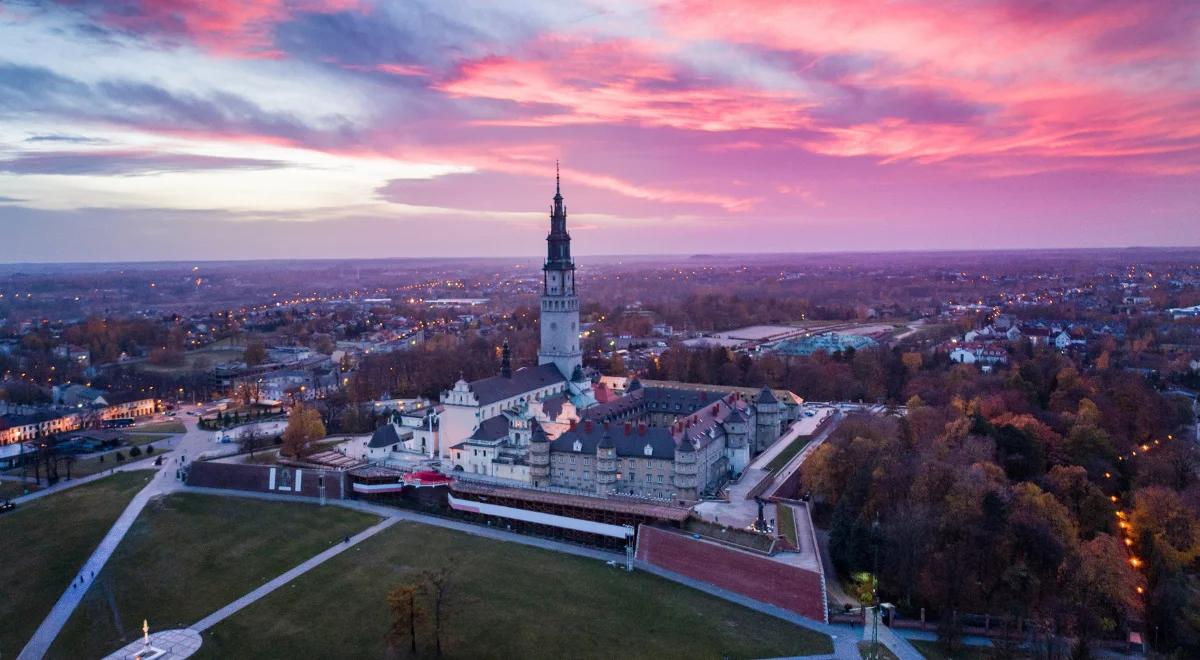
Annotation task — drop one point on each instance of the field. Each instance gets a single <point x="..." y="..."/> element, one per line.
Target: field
<point x="786" y="522"/>
<point x="10" y="489"/>
<point x="782" y="458"/>
<point x="160" y="427"/>
<point x="188" y="555"/>
<point x="864" y="650"/>
<point x="510" y="601"/>
<point x="44" y="544"/>
<point x="935" y="651"/>
<point x="199" y="360"/>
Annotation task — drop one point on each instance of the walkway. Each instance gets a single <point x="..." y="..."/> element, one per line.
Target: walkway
<point x="161" y="482"/>
<point x="144" y="464"/>
<point x="894" y="643"/>
<point x="175" y="645"/>
<point x="232" y="608"/>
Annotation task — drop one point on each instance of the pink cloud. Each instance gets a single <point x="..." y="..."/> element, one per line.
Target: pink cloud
<point x="581" y="80"/>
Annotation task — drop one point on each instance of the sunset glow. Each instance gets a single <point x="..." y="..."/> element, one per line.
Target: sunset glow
<point x="682" y="126"/>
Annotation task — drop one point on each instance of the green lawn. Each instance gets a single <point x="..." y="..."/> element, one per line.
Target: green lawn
<point x="138" y="439"/>
<point x="935" y="651"/>
<point x="864" y="650"/>
<point x="10" y="489"/>
<point x="786" y="522"/>
<point x="160" y="427"/>
<point x="513" y="601"/>
<point x="188" y="555"/>
<point x="44" y="542"/>
<point x="788" y="452"/>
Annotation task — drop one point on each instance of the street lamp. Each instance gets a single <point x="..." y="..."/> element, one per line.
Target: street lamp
<point x="875" y="590"/>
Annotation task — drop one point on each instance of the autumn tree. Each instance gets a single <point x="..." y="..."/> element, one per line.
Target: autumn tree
<point x="255" y="353"/>
<point x="406" y="611"/>
<point x="304" y="428"/>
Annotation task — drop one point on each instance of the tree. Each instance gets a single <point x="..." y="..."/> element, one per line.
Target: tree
<point x="405" y="612"/>
<point x="304" y="428"/>
<point x="1102" y="587"/>
<point x="441" y="586"/>
<point x="255" y="353"/>
<point x="252" y="439"/>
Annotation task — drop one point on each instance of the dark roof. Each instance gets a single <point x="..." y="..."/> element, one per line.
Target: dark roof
<point x="736" y="416"/>
<point x="527" y="379"/>
<point x="766" y="396"/>
<point x="616" y="408"/>
<point x="678" y="401"/>
<point x="633" y="445"/>
<point x="386" y="436"/>
<point x="633" y="386"/>
<point x="492" y="428"/>
<point x="538" y="434"/>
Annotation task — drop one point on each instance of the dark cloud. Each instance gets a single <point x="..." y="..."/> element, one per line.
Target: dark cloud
<point x="59" y="137"/>
<point x="124" y="163"/>
<point x="35" y="90"/>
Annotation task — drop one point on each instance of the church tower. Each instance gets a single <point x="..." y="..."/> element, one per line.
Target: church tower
<point x="560" y="305"/>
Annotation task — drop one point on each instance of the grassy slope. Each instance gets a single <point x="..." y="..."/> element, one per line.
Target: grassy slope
<point x="784" y="519"/>
<point x="782" y="458"/>
<point x="515" y="602"/>
<point x="44" y="544"/>
<point x="188" y="555"/>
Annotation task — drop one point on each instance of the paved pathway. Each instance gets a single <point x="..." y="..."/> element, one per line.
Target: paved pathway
<point x="321" y="557"/>
<point x="894" y="643"/>
<point x="176" y="644"/>
<point x="161" y="482"/>
<point x="144" y="464"/>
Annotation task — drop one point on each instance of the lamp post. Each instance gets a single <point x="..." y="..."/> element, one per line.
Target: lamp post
<point x="875" y="590"/>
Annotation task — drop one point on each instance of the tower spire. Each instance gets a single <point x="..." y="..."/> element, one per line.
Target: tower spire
<point x="557" y="186"/>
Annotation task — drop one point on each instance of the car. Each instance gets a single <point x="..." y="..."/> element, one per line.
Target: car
<point x="191" y="412"/>
<point x="171" y="414"/>
<point x="810" y="414"/>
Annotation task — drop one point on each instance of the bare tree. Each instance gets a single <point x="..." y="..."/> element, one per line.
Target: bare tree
<point x="252" y="439"/>
<point x="441" y="586"/>
<point x="405" y="613"/>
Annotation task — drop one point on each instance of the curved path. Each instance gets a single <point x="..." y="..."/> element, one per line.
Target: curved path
<point x="162" y="481"/>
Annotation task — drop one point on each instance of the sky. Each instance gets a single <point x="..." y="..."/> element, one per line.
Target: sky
<point x="239" y="129"/>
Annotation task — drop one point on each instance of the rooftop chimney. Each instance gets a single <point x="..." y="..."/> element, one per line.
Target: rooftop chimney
<point x="628" y="428"/>
<point x="572" y="425"/>
<point x="641" y="429"/>
<point x="587" y="426"/>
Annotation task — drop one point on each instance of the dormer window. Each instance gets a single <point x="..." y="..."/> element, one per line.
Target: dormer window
<point x="578" y="446"/>
<point x="648" y="450"/>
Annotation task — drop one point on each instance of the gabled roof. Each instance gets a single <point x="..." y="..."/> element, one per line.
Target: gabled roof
<point x="386" y="436"/>
<point x="492" y="428"/>
<point x="766" y="396"/>
<point x="524" y="380"/>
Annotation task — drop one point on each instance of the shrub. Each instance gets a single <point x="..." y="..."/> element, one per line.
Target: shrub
<point x="135" y="452"/>
<point x="149" y="449"/>
<point x="120" y="457"/>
